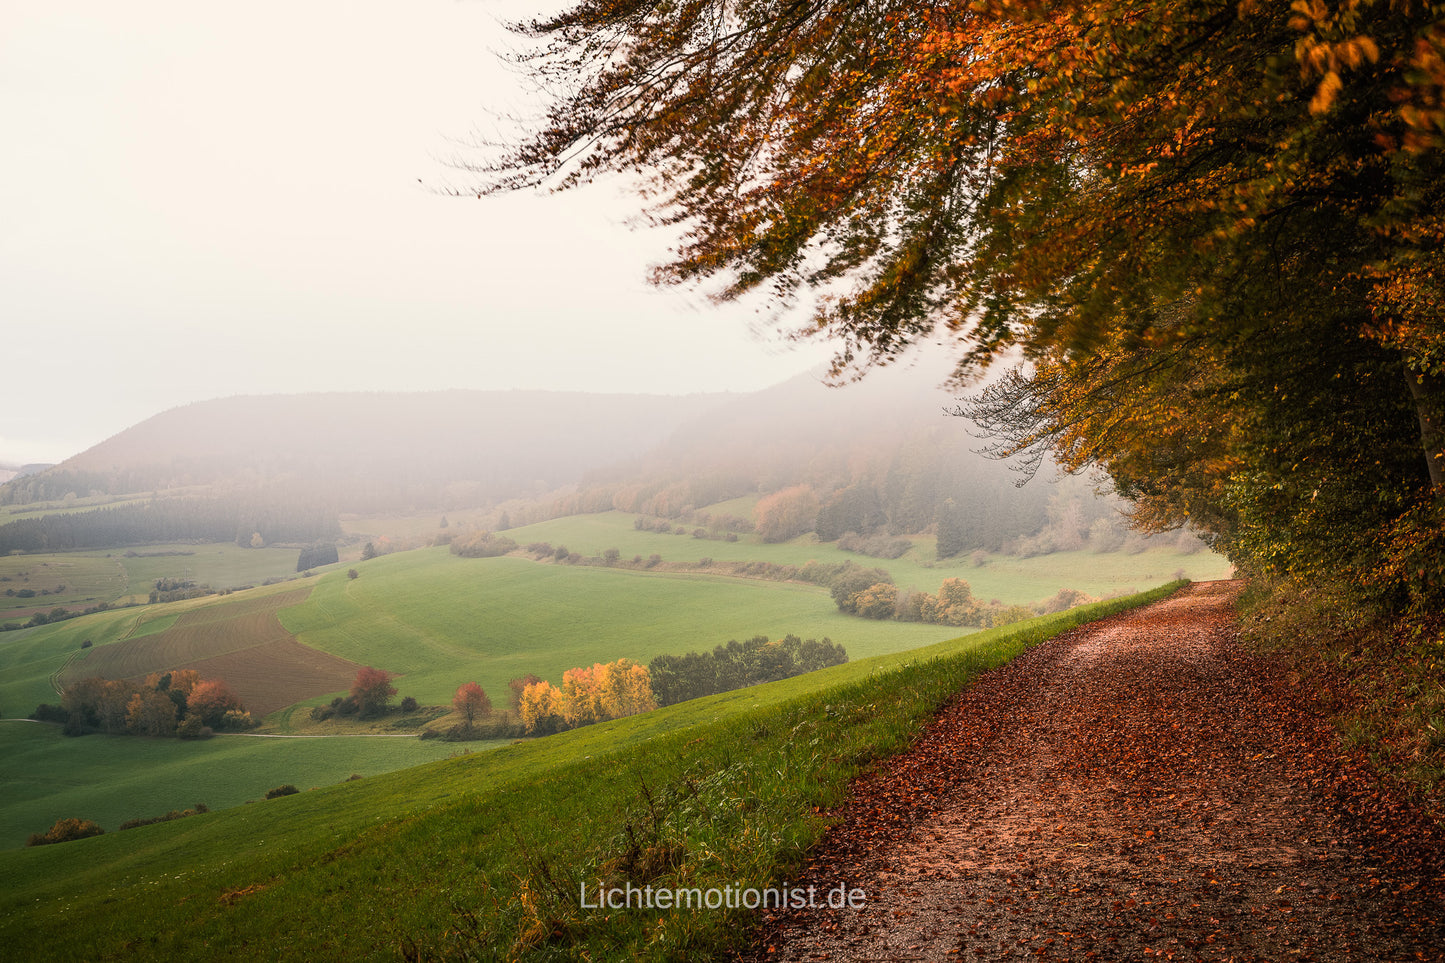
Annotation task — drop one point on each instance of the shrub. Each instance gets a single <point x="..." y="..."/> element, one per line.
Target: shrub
<point x="65" y="830"/>
<point x="236" y="721"/>
<point x="279" y="791"/>
<point x="173" y="814"/>
<point x="192" y="727"/>
<point x="409" y="704"/>
<point x="45" y="712"/>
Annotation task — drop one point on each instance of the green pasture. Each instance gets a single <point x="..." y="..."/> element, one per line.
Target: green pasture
<point x="440" y="620"/>
<point x="110" y="779"/>
<point x="221" y="565"/>
<point x="30" y="658"/>
<point x="1007" y="578"/>
<point x="88" y="580"/>
<point x="481" y="857"/>
<point x="115" y="575"/>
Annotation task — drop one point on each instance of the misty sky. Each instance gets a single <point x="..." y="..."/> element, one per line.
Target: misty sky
<point x="200" y="200"/>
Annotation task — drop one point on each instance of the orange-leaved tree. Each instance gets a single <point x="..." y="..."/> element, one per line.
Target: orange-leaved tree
<point x="1234" y="203"/>
<point x="372" y="690"/>
<point x="472" y="702"/>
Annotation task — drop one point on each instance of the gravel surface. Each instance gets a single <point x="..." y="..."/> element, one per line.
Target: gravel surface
<point x="1140" y="788"/>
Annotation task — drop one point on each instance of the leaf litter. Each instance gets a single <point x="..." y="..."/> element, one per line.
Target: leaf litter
<point x="1139" y="788"/>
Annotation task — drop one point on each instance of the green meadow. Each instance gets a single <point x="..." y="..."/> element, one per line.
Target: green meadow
<point x="1007" y="578"/>
<point x="483" y="856"/>
<point x="439" y="620"/>
<point x="110" y="779"/>
<point x="130" y="574"/>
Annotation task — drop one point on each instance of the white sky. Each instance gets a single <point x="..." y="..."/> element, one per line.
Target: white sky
<point x="203" y="199"/>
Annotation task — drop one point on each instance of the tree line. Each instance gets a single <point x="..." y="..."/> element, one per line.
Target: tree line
<point x="249" y="521"/>
<point x="735" y="665"/>
<point x="177" y="703"/>
<point x="1213" y="229"/>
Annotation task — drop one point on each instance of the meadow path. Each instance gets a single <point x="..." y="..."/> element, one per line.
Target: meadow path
<point x="1140" y="788"/>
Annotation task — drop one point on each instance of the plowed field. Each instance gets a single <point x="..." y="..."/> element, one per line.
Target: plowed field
<point x="240" y="642"/>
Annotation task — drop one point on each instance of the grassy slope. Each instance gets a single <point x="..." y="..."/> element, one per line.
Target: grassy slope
<point x="442" y="620"/>
<point x="480" y="855"/>
<point x="1009" y="579"/>
<point x="88" y="580"/>
<point x="111" y="576"/>
<point x="110" y="779"/>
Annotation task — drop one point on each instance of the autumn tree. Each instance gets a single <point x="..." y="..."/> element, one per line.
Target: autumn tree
<point x="472" y="702"/>
<point x="1152" y="201"/>
<point x="151" y="713"/>
<point x="541" y="708"/>
<point x="372" y="691"/>
<point x="519" y="685"/>
<point x="787" y="513"/>
<point x="211" y="699"/>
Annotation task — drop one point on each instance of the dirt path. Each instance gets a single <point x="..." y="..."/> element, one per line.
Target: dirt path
<point x="1137" y="789"/>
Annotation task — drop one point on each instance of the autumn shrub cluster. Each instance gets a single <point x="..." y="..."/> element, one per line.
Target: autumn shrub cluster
<point x="609" y="690"/>
<point x="370" y="697"/>
<point x="174" y="814"/>
<point x="481" y="544"/>
<point x="677" y="678"/>
<point x="955" y="604"/>
<point x="178" y="703"/>
<point x="877" y="546"/>
<point x="64" y="831"/>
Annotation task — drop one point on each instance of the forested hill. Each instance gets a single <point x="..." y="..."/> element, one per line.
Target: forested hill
<point x="373" y="451"/>
<point x="882" y="456"/>
<point x="873" y="460"/>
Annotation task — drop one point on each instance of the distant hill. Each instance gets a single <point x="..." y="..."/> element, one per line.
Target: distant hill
<point x="8" y="472"/>
<point x="877" y="460"/>
<point x="882" y="456"/>
<point x="373" y="451"/>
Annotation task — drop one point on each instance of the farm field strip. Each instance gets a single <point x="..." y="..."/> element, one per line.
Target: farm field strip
<point x="275" y="674"/>
<point x="235" y="641"/>
<point x="197" y="634"/>
<point x="439" y="620"/>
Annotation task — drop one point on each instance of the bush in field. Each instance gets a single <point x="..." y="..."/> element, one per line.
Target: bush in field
<point x="65" y="830"/>
<point x="1064" y="599"/>
<point x="279" y="791"/>
<point x="409" y="704"/>
<point x="472" y="702"/>
<point x="237" y="721"/>
<point x="191" y="727"/>
<point x="372" y="691"/>
<point x="168" y="817"/>
<point x="482" y="545"/>
<point x="852" y="580"/>
<point x="211" y="699"/>
<point x="876" y="601"/>
<point x="878" y="546"/>
<point x="787" y="513"/>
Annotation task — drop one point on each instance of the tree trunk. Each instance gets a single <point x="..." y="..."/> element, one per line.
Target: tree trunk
<point x="1425" y="389"/>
